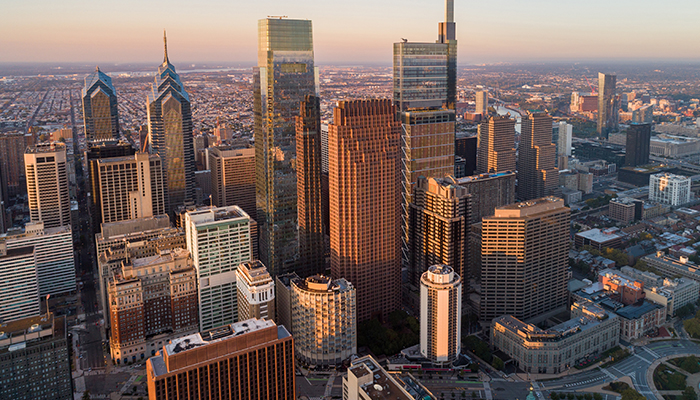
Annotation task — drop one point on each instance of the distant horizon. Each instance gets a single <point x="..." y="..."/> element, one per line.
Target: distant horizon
<point x="361" y="32"/>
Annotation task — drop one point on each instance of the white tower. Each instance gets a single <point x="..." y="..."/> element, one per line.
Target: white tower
<point x="440" y="314"/>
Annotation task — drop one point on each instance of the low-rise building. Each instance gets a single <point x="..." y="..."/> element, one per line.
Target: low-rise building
<point x="638" y="319"/>
<point x="625" y="209"/>
<point x="554" y="350"/>
<point x="598" y="238"/>
<point x="672" y="266"/>
<point x="367" y="380"/>
<point x="674" y="294"/>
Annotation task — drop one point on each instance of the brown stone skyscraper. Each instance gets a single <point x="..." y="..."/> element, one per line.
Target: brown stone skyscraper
<point x="363" y="157"/>
<point x="309" y="197"/>
<point x="496" y="140"/>
<point x="524" y="256"/>
<point x="537" y="174"/>
<point x="233" y="178"/>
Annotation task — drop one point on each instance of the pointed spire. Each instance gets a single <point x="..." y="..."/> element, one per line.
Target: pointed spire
<point x="165" y="46"/>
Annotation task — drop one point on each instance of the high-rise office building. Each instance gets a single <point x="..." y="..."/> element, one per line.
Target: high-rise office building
<point x="482" y="103"/>
<point x="98" y="150"/>
<point x="440" y="314"/>
<point x="128" y="187"/>
<point x="466" y="147"/>
<point x="537" y="174"/>
<point x="284" y="76"/>
<point x="18" y="283"/>
<point x="170" y="134"/>
<point x="638" y="143"/>
<point x="283" y="299"/>
<point x="670" y="189"/>
<point x="219" y="240"/>
<point x="47" y="184"/>
<point x="255" y="291"/>
<point x="233" y="178"/>
<point x="252" y="359"/>
<point x="12" y="146"/>
<point x="100" y="113"/>
<point x="439" y="222"/>
<point x="488" y="192"/>
<point x="363" y="157"/>
<point x="564" y="144"/>
<point x="496" y="151"/>
<point x="35" y="359"/>
<point x="424" y="95"/>
<point x="151" y="300"/>
<point x="53" y="247"/>
<point x="524" y="259"/>
<point x="324" y="323"/>
<point x="608" y="105"/>
<point x="312" y="254"/>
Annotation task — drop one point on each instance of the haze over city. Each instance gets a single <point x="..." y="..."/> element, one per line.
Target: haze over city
<point x="358" y="32"/>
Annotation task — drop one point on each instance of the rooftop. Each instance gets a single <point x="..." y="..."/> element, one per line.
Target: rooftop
<point x="377" y="383"/>
<point x="134" y="226"/>
<point x="46" y="148"/>
<point x="204" y="215"/>
<point x="321" y="283"/>
<point x="14" y="335"/>
<point x="635" y="311"/>
<point x="530" y="207"/>
<point x="553" y="334"/>
<point x="598" y="236"/>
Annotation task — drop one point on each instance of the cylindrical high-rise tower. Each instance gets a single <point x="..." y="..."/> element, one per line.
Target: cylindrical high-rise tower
<point x="440" y="314"/>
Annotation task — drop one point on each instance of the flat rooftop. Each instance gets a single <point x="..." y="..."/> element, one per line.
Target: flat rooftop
<point x="598" y="236"/>
<point x="635" y="311"/>
<point x="206" y="215"/>
<point x="382" y="385"/>
<point x="530" y="207"/>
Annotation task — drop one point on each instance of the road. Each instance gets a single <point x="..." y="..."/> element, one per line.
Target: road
<point x="634" y="366"/>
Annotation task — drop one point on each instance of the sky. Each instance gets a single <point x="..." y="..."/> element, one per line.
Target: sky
<point x="348" y="31"/>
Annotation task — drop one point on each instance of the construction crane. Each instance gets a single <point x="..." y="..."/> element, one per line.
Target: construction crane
<point x="593" y="92"/>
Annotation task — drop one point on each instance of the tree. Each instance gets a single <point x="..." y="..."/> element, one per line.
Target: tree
<point x="86" y="395"/>
<point x="689" y="394"/>
<point x="497" y="363"/>
<point x="690" y="364"/>
<point x="597" y="396"/>
<point x="554" y="395"/>
<point x="588" y="396"/>
<point x="570" y="396"/>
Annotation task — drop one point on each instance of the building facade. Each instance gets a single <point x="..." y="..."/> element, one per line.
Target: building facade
<point x="608" y="105"/>
<point x="18" y="283"/>
<point x="363" y="152"/>
<point x="46" y="169"/>
<point x="489" y="191"/>
<point x="100" y="113"/>
<point x="53" y="248"/>
<point x="524" y="259"/>
<point x="482" y="102"/>
<point x="12" y="147"/>
<point x="233" y="178"/>
<point x="252" y="359"/>
<point x="537" y="173"/>
<point x="496" y="151"/>
<point x="219" y="240"/>
<point x="440" y="314"/>
<point x="284" y="76"/>
<point x="35" y="359"/>
<point x="558" y="348"/>
<point x="170" y="134"/>
<point x="439" y="221"/>
<point x="255" y="291"/>
<point x="152" y="300"/>
<point x="324" y="322"/>
<point x="312" y="251"/>
<point x="129" y="187"/>
<point x="638" y="144"/>
<point x="670" y="189"/>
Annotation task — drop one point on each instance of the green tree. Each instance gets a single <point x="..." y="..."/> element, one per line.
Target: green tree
<point x="497" y="363"/>
<point x="689" y="394"/>
<point x="597" y="396"/>
<point x="588" y="396"/>
<point x="554" y="396"/>
<point x="690" y="364"/>
<point x="86" y="395"/>
<point x="570" y="396"/>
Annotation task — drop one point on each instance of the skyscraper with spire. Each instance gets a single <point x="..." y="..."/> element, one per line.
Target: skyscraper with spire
<point x="100" y="114"/>
<point x="170" y="133"/>
<point x="424" y="97"/>
<point x="284" y="76"/>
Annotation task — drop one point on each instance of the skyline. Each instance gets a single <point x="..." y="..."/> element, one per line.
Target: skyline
<point x="77" y="31"/>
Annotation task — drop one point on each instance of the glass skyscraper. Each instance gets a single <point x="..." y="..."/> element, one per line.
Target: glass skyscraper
<point x="100" y="114"/>
<point x="284" y="76"/>
<point x="170" y="134"/>
<point x="608" y="105"/>
<point x="424" y="96"/>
